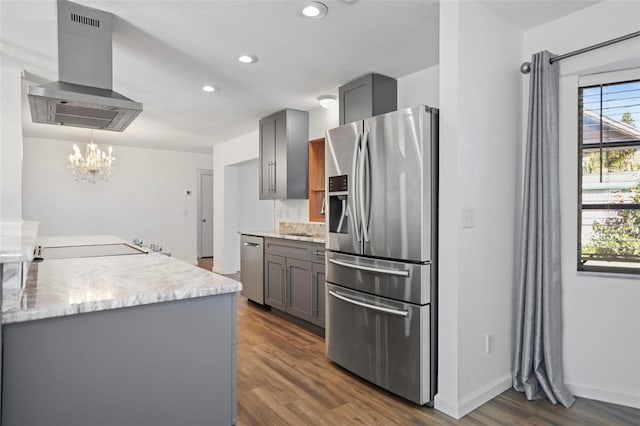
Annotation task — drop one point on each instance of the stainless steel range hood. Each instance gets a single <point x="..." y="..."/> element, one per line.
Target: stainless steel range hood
<point x="83" y="97"/>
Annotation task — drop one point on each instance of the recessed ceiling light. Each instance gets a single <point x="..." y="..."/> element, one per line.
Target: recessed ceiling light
<point x="247" y="59"/>
<point x="209" y="88"/>
<point x="313" y="10"/>
<point x="327" y="101"/>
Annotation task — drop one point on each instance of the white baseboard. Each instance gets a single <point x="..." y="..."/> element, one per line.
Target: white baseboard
<point x="484" y="394"/>
<point x="218" y="270"/>
<point x="628" y="399"/>
<point x="475" y="400"/>
<point x="447" y="407"/>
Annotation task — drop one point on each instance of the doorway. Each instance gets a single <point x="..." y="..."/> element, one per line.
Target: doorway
<point x="205" y="213"/>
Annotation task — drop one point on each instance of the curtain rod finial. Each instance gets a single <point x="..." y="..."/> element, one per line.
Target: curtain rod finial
<point x="525" y="68"/>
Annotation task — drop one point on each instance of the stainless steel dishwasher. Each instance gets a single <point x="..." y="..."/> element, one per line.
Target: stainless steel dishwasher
<point x="252" y="267"/>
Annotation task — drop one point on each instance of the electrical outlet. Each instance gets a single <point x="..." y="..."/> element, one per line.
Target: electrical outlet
<point x="489" y="345"/>
<point x="468" y="218"/>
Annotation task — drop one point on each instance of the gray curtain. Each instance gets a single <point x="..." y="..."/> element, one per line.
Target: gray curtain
<point x="537" y="367"/>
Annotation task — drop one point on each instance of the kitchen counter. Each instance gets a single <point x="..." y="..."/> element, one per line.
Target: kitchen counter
<point x="17" y="240"/>
<point x="61" y="287"/>
<point x="153" y="336"/>
<point x="276" y="234"/>
<point x="79" y="240"/>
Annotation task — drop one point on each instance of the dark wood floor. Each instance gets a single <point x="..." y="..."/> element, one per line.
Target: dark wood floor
<point x="284" y="378"/>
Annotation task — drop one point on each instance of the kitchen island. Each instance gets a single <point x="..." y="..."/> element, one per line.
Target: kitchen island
<point x="140" y="339"/>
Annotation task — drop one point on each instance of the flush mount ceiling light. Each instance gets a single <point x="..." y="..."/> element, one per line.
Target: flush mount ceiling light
<point x="247" y="59"/>
<point x="209" y="88"/>
<point x="313" y="10"/>
<point x="327" y="101"/>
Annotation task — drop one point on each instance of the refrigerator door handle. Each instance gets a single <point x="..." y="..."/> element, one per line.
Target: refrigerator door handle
<point x="363" y="193"/>
<point x="354" y="172"/>
<point x="369" y="306"/>
<point x="396" y="272"/>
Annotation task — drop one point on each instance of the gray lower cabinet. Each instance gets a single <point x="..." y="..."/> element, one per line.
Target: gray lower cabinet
<point x="294" y="278"/>
<point x="298" y="288"/>
<point x="274" y="272"/>
<point x="163" y="364"/>
<point x="317" y="294"/>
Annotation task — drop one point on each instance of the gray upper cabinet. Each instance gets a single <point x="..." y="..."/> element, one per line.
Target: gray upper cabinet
<point x="367" y="96"/>
<point x="284" y="151"/>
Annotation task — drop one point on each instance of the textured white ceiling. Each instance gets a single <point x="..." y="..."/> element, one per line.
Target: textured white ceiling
<point x="528" y="14"/>
<point x="164" y="51"/>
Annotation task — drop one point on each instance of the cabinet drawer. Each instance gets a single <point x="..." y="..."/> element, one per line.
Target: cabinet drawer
<point x="317" y="253"/>
<point x="287" y="248"/>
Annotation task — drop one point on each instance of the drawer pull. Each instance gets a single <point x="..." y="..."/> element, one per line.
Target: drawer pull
<point x="396" y="272"/>
<point x="369" y="306"/>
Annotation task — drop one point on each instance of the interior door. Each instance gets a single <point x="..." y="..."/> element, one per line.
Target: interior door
<point x="398" y="185"/>
<point x="341" y="155"/>
<point x="206" y="214"/>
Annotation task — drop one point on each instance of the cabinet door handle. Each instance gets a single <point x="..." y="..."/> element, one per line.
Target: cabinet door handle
<point x="314" y="296"/>
<point x="274" y="177"/>
<point x="283" y="284"/>
<point x="287" y="285"/>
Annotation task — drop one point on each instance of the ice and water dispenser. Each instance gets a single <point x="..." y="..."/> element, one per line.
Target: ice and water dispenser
<point x="338" y="204"/>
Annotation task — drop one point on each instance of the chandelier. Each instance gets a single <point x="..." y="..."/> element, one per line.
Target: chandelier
<point x="95" y="165"/>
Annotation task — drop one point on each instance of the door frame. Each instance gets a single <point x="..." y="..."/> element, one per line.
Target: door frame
<point x="200" y="173"/>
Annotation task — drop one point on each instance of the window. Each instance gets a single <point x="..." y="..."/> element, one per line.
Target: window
<point x="609" y="181"/>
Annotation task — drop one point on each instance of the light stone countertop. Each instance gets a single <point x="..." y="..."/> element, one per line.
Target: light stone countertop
<point x="61" y="287"/>
<point x="79" y="240"/>
<point x="275" y="234"/>
<point x="17" y="240"/>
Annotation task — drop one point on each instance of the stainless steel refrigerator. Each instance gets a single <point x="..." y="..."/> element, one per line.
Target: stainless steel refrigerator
<point x="381" y="273"/>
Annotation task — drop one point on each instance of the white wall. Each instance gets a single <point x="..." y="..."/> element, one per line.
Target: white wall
<point x="480" y="110"/>
<point x="229" y="196"/>
<point x="601" y="313"/>
<point x="10" y="142"/>
<point x="145" y="197"/>
<point x="420" y="88"/>
<point x="321" y="120"/>
<point x="17" y="53"/>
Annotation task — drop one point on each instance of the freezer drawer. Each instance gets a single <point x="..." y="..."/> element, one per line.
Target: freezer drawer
<point x="408" y="282"/>
<point x="381" y="340"/>
<point x="251" y="267"/>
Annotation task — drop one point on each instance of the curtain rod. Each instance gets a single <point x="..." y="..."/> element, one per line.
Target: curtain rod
<point x="525" y="68"/>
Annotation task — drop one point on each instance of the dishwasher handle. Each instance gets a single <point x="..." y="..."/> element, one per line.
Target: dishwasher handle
<point x="396" y="312"/>
<point x="251" y="244"/>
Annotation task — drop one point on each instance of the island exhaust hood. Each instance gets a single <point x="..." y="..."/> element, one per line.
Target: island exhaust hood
<point x="83" y="96"/>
